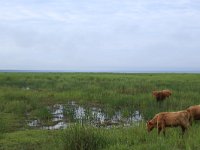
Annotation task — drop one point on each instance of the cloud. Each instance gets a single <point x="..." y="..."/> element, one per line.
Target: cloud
<point x="148" y="34"/>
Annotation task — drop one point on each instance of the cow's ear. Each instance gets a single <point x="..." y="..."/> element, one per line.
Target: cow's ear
<point x="149" y="123"/>
<point x="155" y="93"/>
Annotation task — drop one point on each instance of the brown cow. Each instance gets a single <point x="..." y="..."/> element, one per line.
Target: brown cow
<point x="194" y="112"/>
<point x="161" y="95"/>
<point x="169" y="119"/>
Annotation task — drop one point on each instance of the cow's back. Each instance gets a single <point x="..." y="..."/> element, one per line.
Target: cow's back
<point x="175" y="118"/>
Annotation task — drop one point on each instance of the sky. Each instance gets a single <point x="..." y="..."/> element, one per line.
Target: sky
<point x="100" y="35"/>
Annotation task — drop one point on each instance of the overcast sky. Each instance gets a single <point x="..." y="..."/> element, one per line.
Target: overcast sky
<point x="100" y="35"/>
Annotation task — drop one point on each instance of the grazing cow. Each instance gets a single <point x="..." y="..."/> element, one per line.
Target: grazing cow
<point x="169" y="119"/>
<point x="161" y="95"/>
<point x="194" y="112"/>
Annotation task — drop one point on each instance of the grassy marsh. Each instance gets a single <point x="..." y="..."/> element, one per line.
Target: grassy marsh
<point x="27" y="95"/>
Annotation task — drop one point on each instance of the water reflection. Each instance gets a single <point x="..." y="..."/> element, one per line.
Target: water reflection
<point x="33" y="123"/>
<point x="63" y="114"/>
<point x="59" y="125"/>
<point x="57" y="112"/>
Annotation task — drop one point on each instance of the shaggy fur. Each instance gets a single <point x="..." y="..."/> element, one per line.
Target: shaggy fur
<point x="161" y="95"/>
<point x="169" y="119"/>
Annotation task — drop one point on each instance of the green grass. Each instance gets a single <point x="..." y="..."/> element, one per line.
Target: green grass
<point x="87" y="137"/>
<point x="83" y="138"/>
<point x="26" y="95"/>
<point x="30" y="140"/>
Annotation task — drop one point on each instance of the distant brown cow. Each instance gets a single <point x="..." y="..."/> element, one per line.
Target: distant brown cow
<point x="161" y="95"/>
<point x="194" y="112"/>
<point x="169" y="119"/>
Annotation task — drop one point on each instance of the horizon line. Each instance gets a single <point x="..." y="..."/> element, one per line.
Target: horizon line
<point x="100" y="71"/>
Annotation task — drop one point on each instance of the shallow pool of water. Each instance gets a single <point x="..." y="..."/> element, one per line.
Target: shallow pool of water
<point x="65" y="114"/>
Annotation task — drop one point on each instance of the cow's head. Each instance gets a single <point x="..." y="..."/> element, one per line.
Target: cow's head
<point x="155" y="93"/>
<point x="150" y="125"/>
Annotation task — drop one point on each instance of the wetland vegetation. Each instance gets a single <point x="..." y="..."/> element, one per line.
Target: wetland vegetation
<point x="95" y="110"/>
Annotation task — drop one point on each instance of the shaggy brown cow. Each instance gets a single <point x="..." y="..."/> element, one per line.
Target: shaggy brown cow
<point x="161" y="95"/>
<point x="194" y="112"/>
<point x="169" y="119"/>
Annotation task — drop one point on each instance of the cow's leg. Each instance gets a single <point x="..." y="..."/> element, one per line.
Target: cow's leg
<point x="191" y="120"/>
<point x="159" y="130"/>
<point x="163" y="127"/>
<point x="183" y="130"/>
<point x="164" y="131"/>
